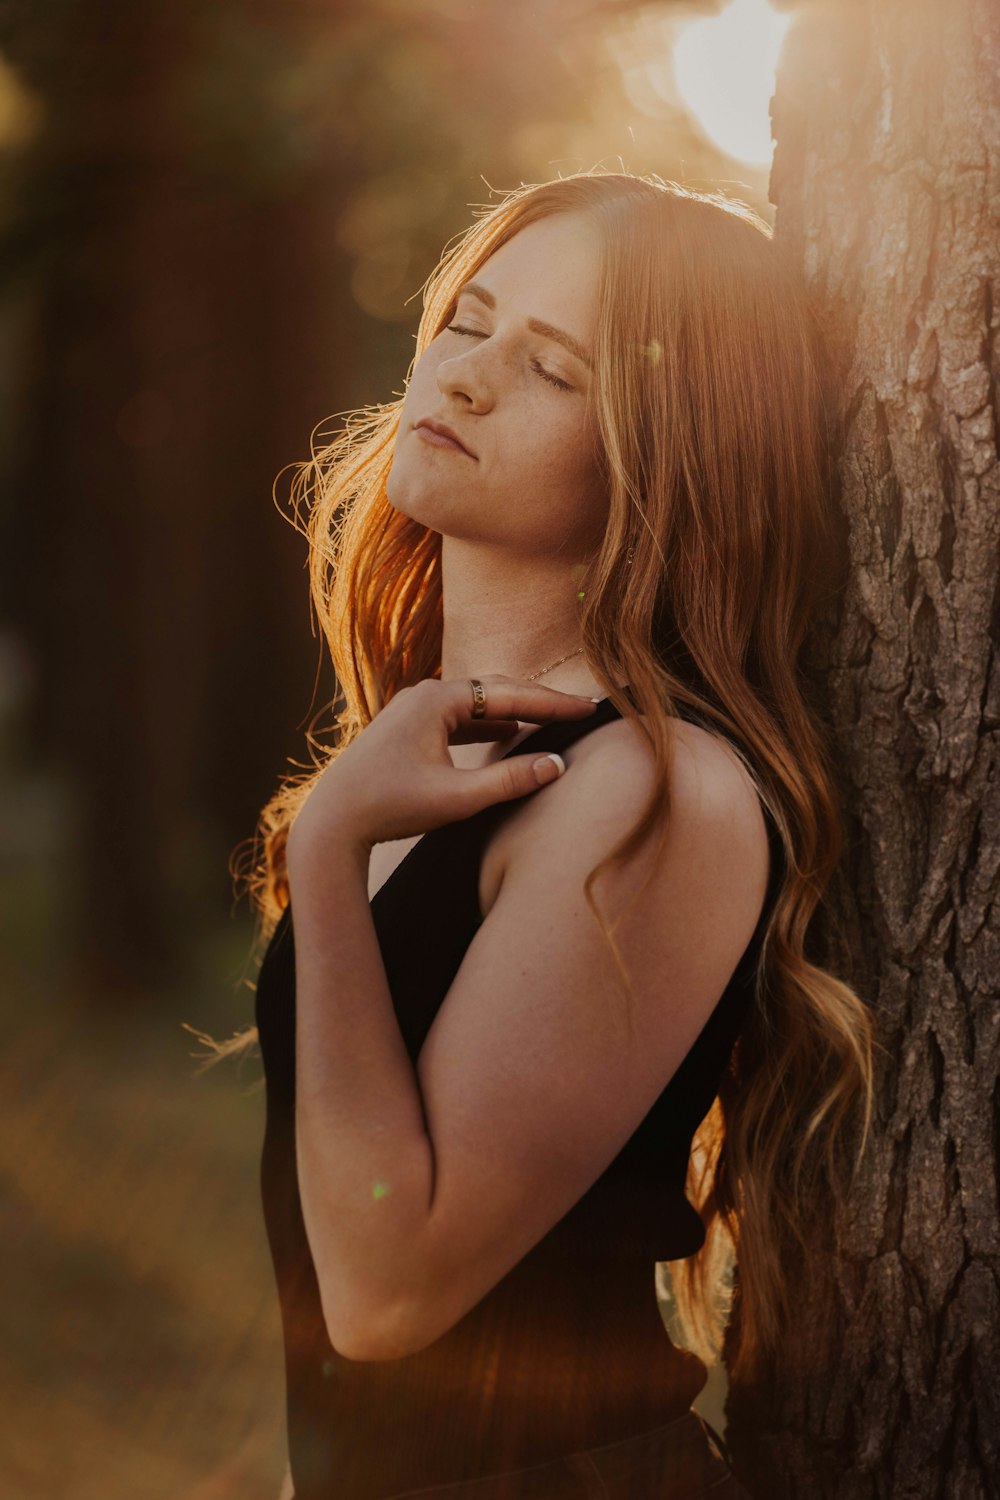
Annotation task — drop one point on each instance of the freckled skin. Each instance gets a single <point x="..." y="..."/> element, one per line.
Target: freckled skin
<point x="533" y="489"/>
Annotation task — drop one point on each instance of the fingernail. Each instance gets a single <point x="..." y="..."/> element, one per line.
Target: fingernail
<point x="548" y="767"/>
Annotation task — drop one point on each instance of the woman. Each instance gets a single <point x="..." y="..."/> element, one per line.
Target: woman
<point x="564" y="583"/>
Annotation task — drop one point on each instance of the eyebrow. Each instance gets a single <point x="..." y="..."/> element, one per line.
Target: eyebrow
<point x="475" y="289"/>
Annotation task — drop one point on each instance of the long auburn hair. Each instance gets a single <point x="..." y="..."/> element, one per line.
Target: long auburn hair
<point x="716" y="448"/>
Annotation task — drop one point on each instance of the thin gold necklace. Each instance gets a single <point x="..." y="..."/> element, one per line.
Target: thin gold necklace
<point x="533" y="675"/>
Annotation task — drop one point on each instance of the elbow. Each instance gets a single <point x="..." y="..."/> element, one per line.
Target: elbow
<point x="365" y="1329"/>
<point x="367" y="1341"/>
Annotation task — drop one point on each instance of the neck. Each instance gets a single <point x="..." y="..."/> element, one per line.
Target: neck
<point x="512" y="617"/>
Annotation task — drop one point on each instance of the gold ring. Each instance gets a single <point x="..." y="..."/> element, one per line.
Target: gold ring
<point x="478" y="698"/>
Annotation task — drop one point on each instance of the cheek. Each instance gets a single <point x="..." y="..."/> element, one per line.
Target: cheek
<point x="561" y="464"/>
<point x="582" y="473"/>
<point x="565" y="454"/>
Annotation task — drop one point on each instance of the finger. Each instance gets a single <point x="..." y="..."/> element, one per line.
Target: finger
<point x="507" y="780"/>
<point x="507" y="698"/>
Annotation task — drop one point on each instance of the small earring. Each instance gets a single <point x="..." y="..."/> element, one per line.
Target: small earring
<point x="628" y="559"/>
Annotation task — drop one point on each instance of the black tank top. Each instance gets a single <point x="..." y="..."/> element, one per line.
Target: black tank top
<point x="568" y="1350"/>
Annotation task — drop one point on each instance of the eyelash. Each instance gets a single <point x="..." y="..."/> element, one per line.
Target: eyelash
<point x="563" y="385"/>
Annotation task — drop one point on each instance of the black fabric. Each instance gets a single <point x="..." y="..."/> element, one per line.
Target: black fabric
<point x="681" y="1460"/>
<point x="568" y="1351"/>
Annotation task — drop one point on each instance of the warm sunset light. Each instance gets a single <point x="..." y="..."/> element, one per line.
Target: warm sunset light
<point x="725" y="66"/>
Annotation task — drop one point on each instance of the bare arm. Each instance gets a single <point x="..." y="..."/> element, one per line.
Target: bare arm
<point x="422" y="1187"/>
<point x="365" y="1162"/>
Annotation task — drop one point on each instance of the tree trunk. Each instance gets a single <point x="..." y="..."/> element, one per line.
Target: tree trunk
<point x="886" y="181"/>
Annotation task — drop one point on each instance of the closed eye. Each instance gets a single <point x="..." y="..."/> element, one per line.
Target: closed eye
<point x="476" y="333"/>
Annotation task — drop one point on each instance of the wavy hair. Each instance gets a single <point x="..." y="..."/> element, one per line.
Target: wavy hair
<point x="716" y="451"/>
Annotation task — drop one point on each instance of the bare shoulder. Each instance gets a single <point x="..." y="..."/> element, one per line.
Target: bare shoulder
<point x="717" y="838"/>
<point x="706" y="773"/>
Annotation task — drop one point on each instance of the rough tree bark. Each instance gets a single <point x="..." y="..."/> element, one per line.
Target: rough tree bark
<point x="886" y="182"/>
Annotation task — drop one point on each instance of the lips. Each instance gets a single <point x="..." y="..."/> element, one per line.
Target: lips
<point x="443" y="431"/>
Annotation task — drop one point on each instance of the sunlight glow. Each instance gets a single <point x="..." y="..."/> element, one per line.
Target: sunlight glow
<point x="20" y="109"/>
<point x="725" y="66"/>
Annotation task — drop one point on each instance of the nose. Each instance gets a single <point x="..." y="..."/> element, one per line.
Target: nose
<point x="466" y="376"/>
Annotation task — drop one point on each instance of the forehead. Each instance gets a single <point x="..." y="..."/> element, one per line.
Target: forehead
<point x="549" y="269"/>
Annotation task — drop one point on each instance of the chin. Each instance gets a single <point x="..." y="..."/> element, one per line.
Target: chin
<point x="422" y="508"/>
<point x="401" y="497"/>
<point x="423" y="504"/>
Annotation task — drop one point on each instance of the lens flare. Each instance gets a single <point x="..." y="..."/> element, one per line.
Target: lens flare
<point x="725" y="69"/>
